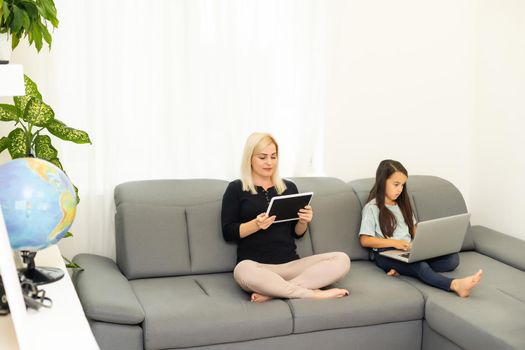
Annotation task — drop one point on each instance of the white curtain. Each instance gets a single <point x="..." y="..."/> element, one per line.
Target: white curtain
<point x="171" y="89"/>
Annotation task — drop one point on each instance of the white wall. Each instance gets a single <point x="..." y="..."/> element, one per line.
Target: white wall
<point x="402" y="88"/>
<point x="438" y="86"/>
<point x="498" y="161"/>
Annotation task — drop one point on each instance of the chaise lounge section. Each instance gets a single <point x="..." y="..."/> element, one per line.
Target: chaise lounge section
<point x="493" y="317"/>
<point x="171" y="286"/>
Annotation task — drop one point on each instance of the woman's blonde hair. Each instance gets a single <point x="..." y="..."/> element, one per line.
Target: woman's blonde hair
<point x="255" y="142"/>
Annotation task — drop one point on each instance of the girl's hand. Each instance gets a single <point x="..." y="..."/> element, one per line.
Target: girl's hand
<point x="305" y="215"/>
<point x="401" y="245"/>
<point x="264" y="221"/>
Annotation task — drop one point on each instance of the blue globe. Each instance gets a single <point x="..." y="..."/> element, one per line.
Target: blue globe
<point x="38" y="202"/>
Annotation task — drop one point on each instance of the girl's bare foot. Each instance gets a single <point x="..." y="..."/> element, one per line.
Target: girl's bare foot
<point x="393" y="273"/>
<point x="259" y="298"/>
<point x="330" y="293"/>
<point x="463" y="286"/>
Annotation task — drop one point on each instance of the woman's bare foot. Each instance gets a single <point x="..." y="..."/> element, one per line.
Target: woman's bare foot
<point x="393" y="273"/>
<point x="330" y="293"/>
<point x="259" y="298"/>
<point x="463" y="286"/>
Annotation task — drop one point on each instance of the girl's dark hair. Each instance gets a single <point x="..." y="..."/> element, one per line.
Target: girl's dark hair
<point x="387" y="220"/>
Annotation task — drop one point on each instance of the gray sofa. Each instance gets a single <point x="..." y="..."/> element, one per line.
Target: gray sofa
<point x="171" y="286"/>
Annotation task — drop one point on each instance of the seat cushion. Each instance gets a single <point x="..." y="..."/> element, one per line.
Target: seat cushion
<point x="492" y="316"/>
<point x="198" y="310"/>
<point x="488" y="319"/>
<point x="375" y="298"/>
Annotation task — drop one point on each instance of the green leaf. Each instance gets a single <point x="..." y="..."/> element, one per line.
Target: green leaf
<point x="31" y="92"/>
<point x="18" y="147"/>
<point x="4" y="143"/>
<point x="38" y="113"/>
<point x="31" y="88"/>
<point x="76" y="192"/>
<point x="22" y="101"/>
<point x="15" y="39"/>
<point x="47" y="35"/>
<point x="67" y="235"/>
<point x="74" y="266"/>
<point x="44" y="149"/>
<point x="26" y="22"/>
<point x="61" y="130"/>
<point x="7" y="12"/>
<point x="18" y="18"/>
<point x="49" y="11"/>
<point x="57" y="163"/>
<point x="70" y="264"/>
<point x="35" y="35"/>
<point x="8" y="112"/>
<point x="31" y="9"/>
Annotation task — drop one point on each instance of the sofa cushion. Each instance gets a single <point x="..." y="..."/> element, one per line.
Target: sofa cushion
<point x="205" y="309"/>
<point x="500" y="246"/>
<point x="375" y="298"/>
<point x="337" y="216"/>
<point x="152" y="240"/>
<point x="161" y="225"/>
<point x="180" y="193"/>
<point x="209" y="252"/>
<point x="488" y="319"/>
<point x="105" y="293"/>
<point x="492" y="316"/>
<point x="435" y="197"/>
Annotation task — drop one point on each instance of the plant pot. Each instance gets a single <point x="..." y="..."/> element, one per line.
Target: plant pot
<point x="5" y="48"/>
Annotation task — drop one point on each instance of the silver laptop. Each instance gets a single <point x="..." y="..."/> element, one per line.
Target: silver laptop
<point x="434" y="238"/>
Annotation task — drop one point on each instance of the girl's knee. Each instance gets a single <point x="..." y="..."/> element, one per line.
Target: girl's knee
<point x="453" y="261"/>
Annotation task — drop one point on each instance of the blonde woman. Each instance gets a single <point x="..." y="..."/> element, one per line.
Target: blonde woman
<point x="267" y="262"/>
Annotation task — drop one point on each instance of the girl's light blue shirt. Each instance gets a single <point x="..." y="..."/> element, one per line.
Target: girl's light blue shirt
<point x="370" y="222"/>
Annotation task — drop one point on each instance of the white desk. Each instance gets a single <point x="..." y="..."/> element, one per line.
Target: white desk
<point x="63" y="326"/>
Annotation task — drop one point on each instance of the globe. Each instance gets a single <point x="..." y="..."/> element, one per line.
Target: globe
<point x="38" y="202"/>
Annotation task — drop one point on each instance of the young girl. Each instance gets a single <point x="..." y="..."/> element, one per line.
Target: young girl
<point x="268" y="264"/>
<point x="388" y="223"/>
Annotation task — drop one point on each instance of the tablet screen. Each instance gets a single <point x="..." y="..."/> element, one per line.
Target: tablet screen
<point x="286" y="207"/>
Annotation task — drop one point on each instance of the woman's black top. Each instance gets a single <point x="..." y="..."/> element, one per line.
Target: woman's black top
<point x="276" y="244"/>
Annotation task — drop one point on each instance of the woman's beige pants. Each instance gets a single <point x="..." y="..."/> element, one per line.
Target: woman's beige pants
<point x="295" y="279"/>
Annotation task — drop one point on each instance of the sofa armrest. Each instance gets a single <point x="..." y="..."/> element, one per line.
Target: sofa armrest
<point x="499" y="246"/>
<point x="106" y="295"/>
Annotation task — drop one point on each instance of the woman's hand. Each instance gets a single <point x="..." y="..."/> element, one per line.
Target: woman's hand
<point x="401" y="245"/>
<point x="264" y="221"/>
<point x="305" y="214"/>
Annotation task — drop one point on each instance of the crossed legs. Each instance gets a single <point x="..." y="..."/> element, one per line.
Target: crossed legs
<point x="300" y="278"/>
<point x="429" y="272"/>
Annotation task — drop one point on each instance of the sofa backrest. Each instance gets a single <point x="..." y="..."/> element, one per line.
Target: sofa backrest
<point x="171" y="227"/>
<point x="337" y="217"/>
<point x="432" y="197"/>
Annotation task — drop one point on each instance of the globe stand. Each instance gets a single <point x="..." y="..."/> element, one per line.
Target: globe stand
<point x="39" y="275"/>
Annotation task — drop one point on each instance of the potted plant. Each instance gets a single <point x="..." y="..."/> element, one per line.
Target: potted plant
<point x="32" y="117"/>
<point x="25" y="18"/>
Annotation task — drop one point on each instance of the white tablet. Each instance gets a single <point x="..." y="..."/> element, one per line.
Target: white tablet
<point x="286" y="207"/>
